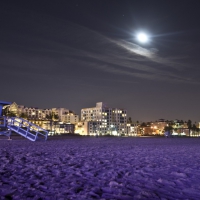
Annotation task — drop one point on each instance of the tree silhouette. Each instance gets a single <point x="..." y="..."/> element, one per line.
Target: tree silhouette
<point x="194" y="128"/>
<point x="52" y="117"/>
<point x="56" y="117"/>
<point x="189" y="125"/>
<point x="143" y="124"/>
<point x="23" y="115"/>
<point x="10" y="114"/>
<point x="168" y="128"/>
<point x="129" y="120"/>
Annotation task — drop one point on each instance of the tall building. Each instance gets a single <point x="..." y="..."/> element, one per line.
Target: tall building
<point x="66" y="116"/>
<point x="104" y="120"/>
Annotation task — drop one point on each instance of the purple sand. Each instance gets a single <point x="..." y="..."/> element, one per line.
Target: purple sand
<point x="100" y="168"/>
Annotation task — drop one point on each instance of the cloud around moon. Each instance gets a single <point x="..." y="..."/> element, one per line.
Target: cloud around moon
<point x="70" y="42"/>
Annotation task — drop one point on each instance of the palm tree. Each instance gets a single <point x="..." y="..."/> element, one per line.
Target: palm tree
<point x="143" y="124"/>
<point x="198" y="131"/>
<point x="194" y="128"/>
<point x="10" y="114"/>
<point x="52" y="117"/>
<point x="56" y="117"/>
<point x="135" y="124"/>
<point x="5" y="111"/>
<point x="129" y="120"/>
<point x="168" y="129"/>
<point x="23" y="115"/>
<point x="189" y="125"/>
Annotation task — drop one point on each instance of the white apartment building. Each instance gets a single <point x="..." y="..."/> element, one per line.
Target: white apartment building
<point x="61" y="112"/>
<point x="70" y="118"/>
<point x="66" y="116"/>
<point x="103" y="120"/>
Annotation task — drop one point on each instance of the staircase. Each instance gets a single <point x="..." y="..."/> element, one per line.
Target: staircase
<point x="24" y="128"/>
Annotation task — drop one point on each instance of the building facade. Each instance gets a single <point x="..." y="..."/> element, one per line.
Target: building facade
<point x="132" y="129"/>
<point x="104" y="120"/>
<point x="81" y="128"/>
<point x="61" y="120"/>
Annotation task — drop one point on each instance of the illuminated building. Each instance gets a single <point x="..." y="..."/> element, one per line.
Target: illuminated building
<point x="45" y="118"/>
<point x="132" y="129"/>
<point x="103" y="120"/>
<point x="66" y="116"/>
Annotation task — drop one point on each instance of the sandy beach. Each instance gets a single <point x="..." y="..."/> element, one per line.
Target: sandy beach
<point x="100" y="168"/>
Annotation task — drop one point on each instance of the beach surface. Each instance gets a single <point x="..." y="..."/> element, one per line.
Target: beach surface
<point x="105" y="168"/>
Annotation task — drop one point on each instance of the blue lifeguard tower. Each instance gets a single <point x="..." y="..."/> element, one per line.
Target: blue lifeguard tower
<point x="3" y="121"/>
<point x="20" y="126"/>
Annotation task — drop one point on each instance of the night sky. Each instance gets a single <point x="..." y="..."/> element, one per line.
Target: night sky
<point x="74" y="53"/>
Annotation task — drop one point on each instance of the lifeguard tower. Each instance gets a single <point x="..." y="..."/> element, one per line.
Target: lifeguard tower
<point x="20" y="126"/>
<point x="3" y="121"/>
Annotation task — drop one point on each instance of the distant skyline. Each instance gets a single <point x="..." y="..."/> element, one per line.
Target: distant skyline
<point x="74" y="54"/>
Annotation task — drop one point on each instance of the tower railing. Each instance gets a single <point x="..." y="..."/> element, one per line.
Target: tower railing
<point x="26" y="129"/>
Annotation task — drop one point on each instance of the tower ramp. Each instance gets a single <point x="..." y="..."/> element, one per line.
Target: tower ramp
<point x="26" y="129"/>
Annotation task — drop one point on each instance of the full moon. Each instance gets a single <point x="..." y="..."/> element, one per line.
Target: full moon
<point x="142" y="37"/>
